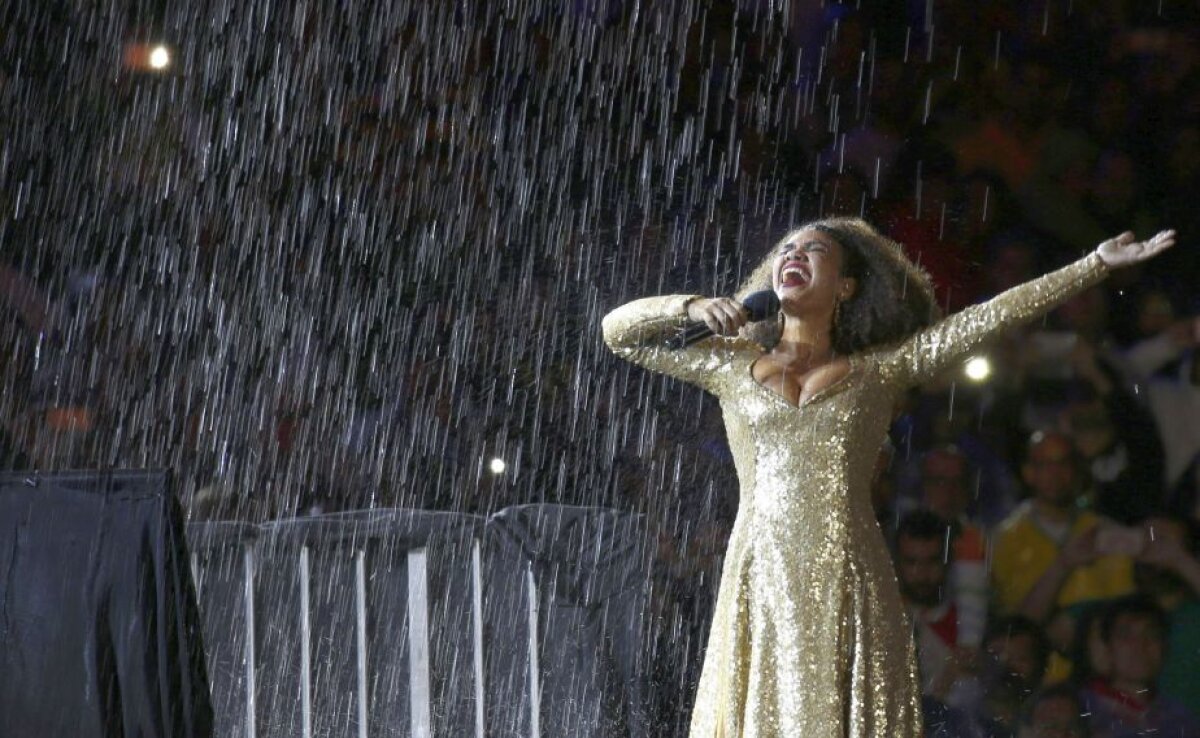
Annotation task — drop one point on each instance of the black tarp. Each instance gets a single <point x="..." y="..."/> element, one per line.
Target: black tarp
<point x="99" y="631"/>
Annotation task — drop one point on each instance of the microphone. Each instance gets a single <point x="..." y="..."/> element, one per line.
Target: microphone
<point x="761" y="305"/>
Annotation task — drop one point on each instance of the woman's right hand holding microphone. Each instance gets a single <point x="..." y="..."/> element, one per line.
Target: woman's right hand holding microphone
<point x="723" y="315"/>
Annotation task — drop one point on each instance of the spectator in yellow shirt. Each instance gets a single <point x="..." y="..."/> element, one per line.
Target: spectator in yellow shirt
<point x="1045" y="554"/>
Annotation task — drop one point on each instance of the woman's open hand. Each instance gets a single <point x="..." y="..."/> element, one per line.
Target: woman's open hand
<point x="723" y="315"/>
<point x="1125" y="249"/>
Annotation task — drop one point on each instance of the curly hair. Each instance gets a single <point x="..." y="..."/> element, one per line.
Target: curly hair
<point x="894" y="298"/>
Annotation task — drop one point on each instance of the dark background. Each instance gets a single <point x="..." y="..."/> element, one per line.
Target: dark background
<point x="341" y="255"/>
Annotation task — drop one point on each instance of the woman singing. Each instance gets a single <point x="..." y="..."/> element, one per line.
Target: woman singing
<point x="810" y="637"/>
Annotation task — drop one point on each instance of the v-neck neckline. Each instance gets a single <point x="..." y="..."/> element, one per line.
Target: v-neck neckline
<point x="820" y="394"/>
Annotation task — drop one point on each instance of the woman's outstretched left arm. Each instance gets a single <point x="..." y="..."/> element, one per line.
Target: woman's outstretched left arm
<point x="925" y="354"/>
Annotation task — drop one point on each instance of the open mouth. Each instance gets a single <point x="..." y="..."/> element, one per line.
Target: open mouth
<point x="793" y="276"/>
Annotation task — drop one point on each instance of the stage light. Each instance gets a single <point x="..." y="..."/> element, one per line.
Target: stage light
<point x="978" y="368"/>
<point x="160" y="57"/>
<point x="156" y="59"/>
<point x="497" y="466"/>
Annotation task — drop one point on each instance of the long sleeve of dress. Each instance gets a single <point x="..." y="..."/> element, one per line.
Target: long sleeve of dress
<point x="638" y="332"/>
<point x="923" y="355"/>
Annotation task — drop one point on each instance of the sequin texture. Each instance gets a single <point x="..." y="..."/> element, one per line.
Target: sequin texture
<point x="810" y="637"/>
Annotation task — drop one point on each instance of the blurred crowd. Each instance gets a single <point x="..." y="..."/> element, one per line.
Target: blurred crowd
<point x="310" y="281"/>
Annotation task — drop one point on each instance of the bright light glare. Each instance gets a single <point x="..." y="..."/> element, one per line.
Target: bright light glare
<point x="160" y="57"/>
<point x="978" y="368"/>
<point x="497" y="466"/>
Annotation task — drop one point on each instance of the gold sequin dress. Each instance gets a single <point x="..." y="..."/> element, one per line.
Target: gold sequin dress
<point x="810" y="638"/>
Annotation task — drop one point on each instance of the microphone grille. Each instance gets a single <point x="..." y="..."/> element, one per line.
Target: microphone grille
<point x="762" y="304"/>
